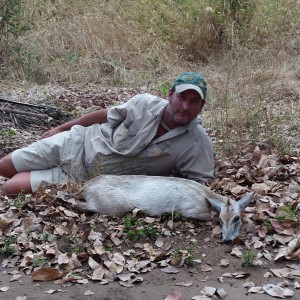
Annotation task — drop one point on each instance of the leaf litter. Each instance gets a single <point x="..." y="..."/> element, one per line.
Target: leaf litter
<point x="43" y="237"/>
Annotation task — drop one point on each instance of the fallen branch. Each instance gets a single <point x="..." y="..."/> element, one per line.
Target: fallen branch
<point x="27" y="104"/>
<point x="26" y="113"/>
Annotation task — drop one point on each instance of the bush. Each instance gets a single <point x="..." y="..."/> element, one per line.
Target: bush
<point x="133" y="42"/>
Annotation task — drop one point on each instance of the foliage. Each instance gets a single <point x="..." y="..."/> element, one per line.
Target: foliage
<point x="8" y="249"/>
<point x="136" y="228"/>
<point x="187" y="255"/>
<point x="283" y="214"/>
<point x="76" y="244"/>
<point x="19" y="201"/>
<point x="11" y="21"/>
<point x="174" y="216"/>
<point x="287" y="212"/>
<point x="45" y="237"/>
<point x="125" y="42"/>
<point x="12" y="26"/>
<point x="8" y="132"/>
<point x="249" y="258"/>
<point x="243" y="47"/>
<point x="39" y="261"/>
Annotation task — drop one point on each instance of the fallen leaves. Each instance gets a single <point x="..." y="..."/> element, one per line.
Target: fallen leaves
<point x="291" y="251"/>
<point x="170" y="270"/>
<point x="52" y="242"/>
<point x="276" y="291"/>
<point x="47" y="274"/>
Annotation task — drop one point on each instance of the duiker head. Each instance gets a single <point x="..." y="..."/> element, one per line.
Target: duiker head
<point x="230" y="215"/>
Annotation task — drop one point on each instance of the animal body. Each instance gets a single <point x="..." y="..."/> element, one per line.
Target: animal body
<point x="117" y="194"/>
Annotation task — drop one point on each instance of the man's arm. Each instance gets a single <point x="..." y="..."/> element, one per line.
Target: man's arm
<point x="99" y="116"/>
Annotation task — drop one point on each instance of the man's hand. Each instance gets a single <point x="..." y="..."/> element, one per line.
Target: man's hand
<point x="99" y="116"/>
<point x="50" y="132"/>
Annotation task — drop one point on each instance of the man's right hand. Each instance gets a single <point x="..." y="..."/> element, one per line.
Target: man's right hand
<point x="98" y="116"/>
<point x="50" y="132"/>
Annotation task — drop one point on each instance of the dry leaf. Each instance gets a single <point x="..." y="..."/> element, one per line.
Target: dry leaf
<point x="224" y="262"/>
<point x="63" y="259"/>
<point x="47" y="274"/>
<point x="135" y="212"/>
<point x="51" y="291"/>
<point x="61" y="230"/>
<point x="208" y="290"/>
<point x="276" y="291"/>
<point x="149" y="220"/>
<point x="7" y="218"/>
<point x="70" y="213"/>
<point x="289" y="249"/>
<point x="170" y="270"/>
<point x="217" y="230"/>
<point x="256" y="289"/>
<point x="198" y="297"/>
<point x="98" y="274"/>
<point x="281" y="272"/>
<point x="159" y="242"/>
<point x="262" y="231"/>
<point x="185" y="283"/>
<point x="268" y="275"/>
<point x="260" y="188"/>
<point x="221" y="292"/>
<point x="237" y="252"/>
<point x="88" y="293"/>
<point x="116" y="240"/>
<point x="296" y="285"/>
<point x="15" y="277"/>
<point x="248" y="284"/>
<point x="126" y="284"/>
<point x="205" y="268"/>
<point x="174" y="296"/>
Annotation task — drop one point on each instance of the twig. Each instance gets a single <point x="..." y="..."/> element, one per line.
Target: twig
<point x="15" y="111"/>
<point x="27" y="104"/>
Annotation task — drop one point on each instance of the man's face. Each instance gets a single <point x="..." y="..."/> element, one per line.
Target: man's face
<point x="184" y="107"/>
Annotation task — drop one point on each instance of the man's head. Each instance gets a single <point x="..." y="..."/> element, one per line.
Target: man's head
<point x="187" y="98"/>
<point x="191" y="81"/>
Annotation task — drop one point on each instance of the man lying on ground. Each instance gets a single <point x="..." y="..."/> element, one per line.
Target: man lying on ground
<point x="146" y="135"/>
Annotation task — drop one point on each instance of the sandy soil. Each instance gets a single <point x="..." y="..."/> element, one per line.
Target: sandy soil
<point x="156" y="284"/>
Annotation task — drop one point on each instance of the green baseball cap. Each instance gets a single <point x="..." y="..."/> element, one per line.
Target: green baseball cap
<point x="191" y="81"/>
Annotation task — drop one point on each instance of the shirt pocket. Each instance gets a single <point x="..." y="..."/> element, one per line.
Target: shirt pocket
<point x="160" y="149"/>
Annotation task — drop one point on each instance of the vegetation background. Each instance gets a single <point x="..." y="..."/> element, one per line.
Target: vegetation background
<point x="247" y="50"/>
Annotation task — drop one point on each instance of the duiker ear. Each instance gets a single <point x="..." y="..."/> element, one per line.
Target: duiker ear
<point x="216" y="204"/>
<point x="244" y="202"/>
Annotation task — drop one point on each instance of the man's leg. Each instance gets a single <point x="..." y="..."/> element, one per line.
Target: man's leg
<point x="19" y="183"/>
<point x="7" y="168"/>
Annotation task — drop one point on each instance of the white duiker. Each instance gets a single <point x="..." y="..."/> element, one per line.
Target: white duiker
<point x="114" y="195"/>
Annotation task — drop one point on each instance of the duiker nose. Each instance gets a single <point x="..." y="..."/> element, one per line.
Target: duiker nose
<point x="227" y="241"/>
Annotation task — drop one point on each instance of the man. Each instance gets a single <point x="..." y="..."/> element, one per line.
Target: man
<point x="147" y="135"/>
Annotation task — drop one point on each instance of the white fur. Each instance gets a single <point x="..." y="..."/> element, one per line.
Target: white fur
<point x="117" y="194"/>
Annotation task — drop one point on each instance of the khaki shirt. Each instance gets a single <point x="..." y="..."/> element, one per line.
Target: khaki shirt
<point x="126" y="144"/>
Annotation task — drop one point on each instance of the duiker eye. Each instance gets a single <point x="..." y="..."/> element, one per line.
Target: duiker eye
<point x="236" y="219"/>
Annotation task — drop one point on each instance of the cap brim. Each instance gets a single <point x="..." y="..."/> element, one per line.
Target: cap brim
<point x="187" y="86"/>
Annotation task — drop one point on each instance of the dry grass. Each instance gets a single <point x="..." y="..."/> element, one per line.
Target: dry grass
<point x="250" y="56"/>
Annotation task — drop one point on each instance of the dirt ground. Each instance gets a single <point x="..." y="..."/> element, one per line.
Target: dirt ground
<point x="156" y="284"/>
<point x="190" y="281"/>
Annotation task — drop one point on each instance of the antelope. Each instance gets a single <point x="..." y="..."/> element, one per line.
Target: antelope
<point x="115" y="195"/>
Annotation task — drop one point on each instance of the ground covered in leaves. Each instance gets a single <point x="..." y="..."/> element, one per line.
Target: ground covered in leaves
<point x="49" y="251"/>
